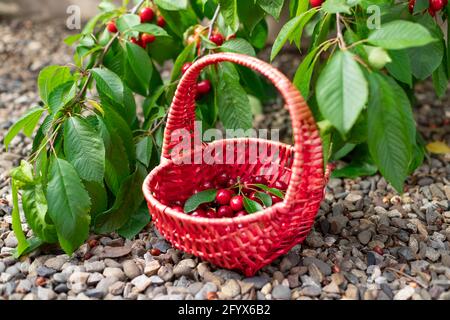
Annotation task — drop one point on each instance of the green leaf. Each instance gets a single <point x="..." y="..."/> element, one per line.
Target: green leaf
<point x="22" y="243"/>
<point x="250" y="14"/>
<point x="144" y="150"/>
<point x="228" y="9"/>
<point x="238" y="45"/>
<point x="294" y="25"/>
<point x="272" y="7"/>
<point x="342" y="91"/>
<point x="84" y="149"/>
<point x="68" y="205"/>
<point x="127" y="22"/>
<point x="400" y="67"/>
<point x="232" y="100"/>
<point x="61" y="96"/>
<point x="151" y="29"/>
<point x="141" y="64"/>
<point x="172" y="5"/>
<point x="187" y="55"/>
<point x="303" y="75"/>
<point x="361" y="164"/>
<point x="117" y="167"/>
<point x="391" y="129"/>
<point x="440" y="80"/>
<point x="135" y="223"/>
<point x="35" y="208"/>
<point x="99" y="198"/>
<point x="128" y="200"/>
<point x="265" y="198"/>
<point x="51" y="77"/>
<point x="274" y="191"/>
<point x="252" y="206"/>
<point x="33" y="244"/>
<point x="400" y="34"/>
<point x="27" y="123"/>
<point x="336" y="6"/>
<point x="199" y="198"/>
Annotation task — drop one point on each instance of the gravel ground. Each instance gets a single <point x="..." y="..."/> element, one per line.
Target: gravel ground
<point x="368" y="242"/>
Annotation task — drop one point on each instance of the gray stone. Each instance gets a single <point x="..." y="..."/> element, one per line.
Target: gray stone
<point x="405" y="253"/>
<point x="24" y="286"/>
<point x="184" y="267"/>
<point x="162" y="245"/>
<point x="207" y="287"/>
<point x="45" y="272"/>
<point x="45" y="294"/>
<point x="311" y="291"/>
<point x="365" y="236"/>
<point x="281" y="292"/>
<point x="141" y="282"/>
<point x="11" y="240"/>
<point x="78" y="277"/>
<point x="56" y="263"/>
<point x="94" y="278"/>
<point x="114" y="272"/>
<point x="2" y="267"/>
<point x="337" y="223"/>
<point x="105" y="284"/>
<point x="94" y="293"/>
<point x="314" y="240"/>
<point x="117" y="288"/>
<point x="166" y="272"/>
<point x="432" y="254"/>
<point x="231" y="288"/>
<point x="258" y="281"/>
<point x="116" y="252"/>
<point x="323" y="267"/>
<point x="94" y="266"/>
<point x="404" y="294"/>
<point x="61" y="288"/>
<point x="156" y="280"/>
<point x="152" y="268"/>
<point x="131" y="269"/>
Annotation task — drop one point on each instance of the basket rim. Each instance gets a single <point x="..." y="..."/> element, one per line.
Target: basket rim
<point x="165" y="209"/>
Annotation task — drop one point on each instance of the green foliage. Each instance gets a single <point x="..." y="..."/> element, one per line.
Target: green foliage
<point x="92" y="151"/>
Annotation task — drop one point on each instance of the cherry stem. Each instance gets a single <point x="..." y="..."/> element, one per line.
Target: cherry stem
<point x="211" y="25"/>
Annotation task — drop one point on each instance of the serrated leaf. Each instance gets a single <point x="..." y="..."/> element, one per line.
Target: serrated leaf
<point x="128" y="200"/>
<point x="51" y="77"/>
<point x="99" y="197"/>
<point x="61" y="95"/>
<point x="140" y="64"/>
<point x="336" y="6"/>
<point x="187" y="55"/>
<point x="22" y="243"/>
<point x="440" y="80"/>
<point x="238" y="45"/>
<point x="35" y="208"/>
<point x="68" y="205"/>
<point x="135" y="223"/>
<point x="252" y="206"/>
<point x="289" y="29"/>
<point x="342" y="91"/>
<point x="172" y="5"/>
<point x="151" y="29"/>
<point x="144" y="150"/>
<point x="400" y="34"/>
<point x="27" y="123"/>
<point x="391" y="129"/>
<point x="199" y="198"/>
<point x="84" y="149"/>
<point x="232" y="100"/>
<point x="303" y="75"/>
<point x="127" y="21"/>
<point x="272" y="7"/>
<point x="228" y="9"/>
<point x="265" y="198"/>
<point x="400" y="67"/>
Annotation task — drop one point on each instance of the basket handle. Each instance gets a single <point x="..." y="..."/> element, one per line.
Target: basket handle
<point x="307" y="166"/>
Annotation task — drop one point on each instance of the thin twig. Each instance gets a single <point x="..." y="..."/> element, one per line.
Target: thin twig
<point x="102" y="56"/>
<point x="211" y="25"/>
<point x="339" y="31"/>
<point x="407" y="276"/>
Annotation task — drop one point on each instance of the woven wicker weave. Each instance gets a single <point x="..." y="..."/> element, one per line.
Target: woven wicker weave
<point x="246" y="243"/>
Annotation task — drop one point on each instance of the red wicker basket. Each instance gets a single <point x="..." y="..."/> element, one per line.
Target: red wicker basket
<point x="245" y="243"/>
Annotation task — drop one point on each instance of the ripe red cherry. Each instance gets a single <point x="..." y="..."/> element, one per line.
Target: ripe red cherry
<point x="224" y="212"/>
<point x="147" y="15"/>
<point x="148" y="38"/>
<point x="203" y="87"/>
<point x="198" y="213"/>
<point x="411" y="6"/>
<point x="211" y="213"/>
<point x="207" y="185"/>
<point x="222" y="179"/>
<point x="231" y="182"/>
<point x="134" y="40"/>
<point x="275" y="199"/>
<point x="161" y="22"/>
<point x="237" y="203"/>
<point x="217" y="38"/>
<point x="186" y="66"/>
<point x="231" y="36"/>
<point x="316" y="3"/>
<point x="280" y="185"/>
<point x="437" y="5"/>
<point x="259" y="180"/>
<point x="241" y="213"/>
<point x="223" y="196"/>
<point x="111" y="26"/>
